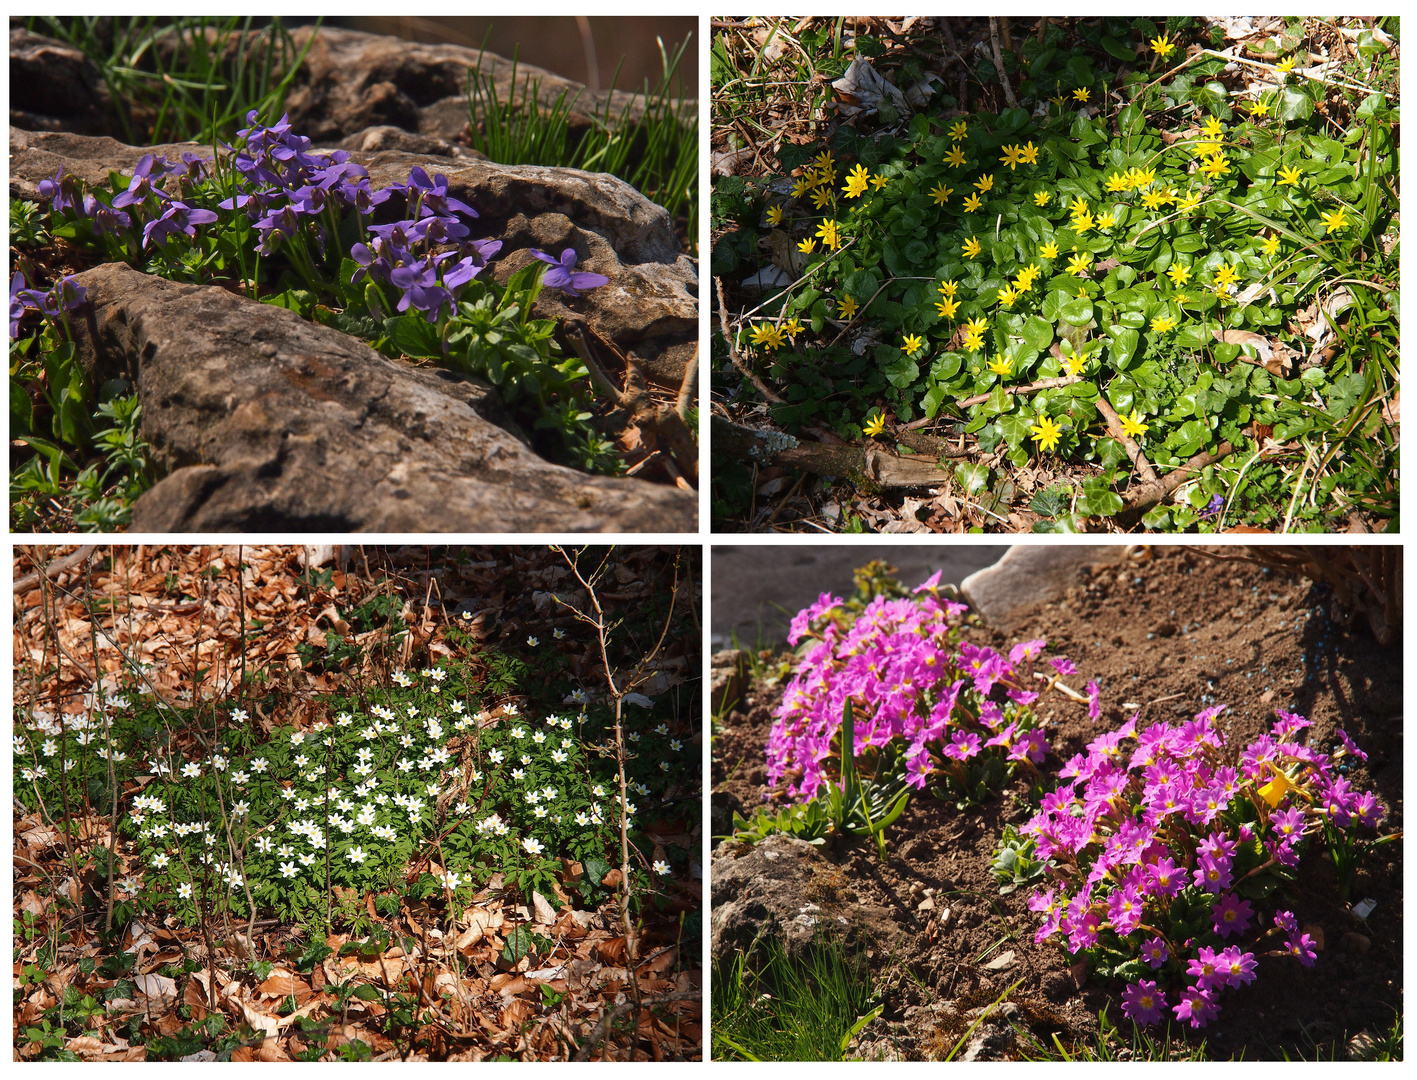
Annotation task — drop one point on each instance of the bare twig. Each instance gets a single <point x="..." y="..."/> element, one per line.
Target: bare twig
<point x="1145" y="495"/>
<point x="1114" y="427"/>
<point x="598" y="1032"/>
<point x="999" y="61"/>
<point x="58" y="566"/>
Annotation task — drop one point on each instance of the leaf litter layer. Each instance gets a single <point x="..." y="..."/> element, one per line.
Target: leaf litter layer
<point x="415" y="971"/>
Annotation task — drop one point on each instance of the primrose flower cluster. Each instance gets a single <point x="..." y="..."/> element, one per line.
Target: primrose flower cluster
<point x="1163" y="841"/>
<point x="299" y="200"/>
<point x="349" y="802"/>
<point x="910" y="678"/>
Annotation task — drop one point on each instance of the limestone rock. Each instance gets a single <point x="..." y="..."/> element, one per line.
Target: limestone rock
<point x="54" y="87"/>
<point x="767" y="890"/>
<point x="261" y="422"/>
<point x="1029" y="575"/>
<point x="353" y="80"/>
<point x="649" y="308"/>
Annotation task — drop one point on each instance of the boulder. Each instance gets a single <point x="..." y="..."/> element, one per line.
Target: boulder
<point x="261" y="421"/>
<point x="1029" y="575"/>
<point x="54" y="87"/>
<point x="768" y="889"/>
<point x="649" y="308"/>
<point x="353" y="80"/>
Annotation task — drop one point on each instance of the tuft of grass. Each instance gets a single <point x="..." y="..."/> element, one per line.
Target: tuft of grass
<point x="807" y="1009"/>
<point x="1110" y="1044"/>
<point x="656" y="153"/>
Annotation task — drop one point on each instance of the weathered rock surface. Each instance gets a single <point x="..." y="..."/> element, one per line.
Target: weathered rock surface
<point x="55" y="88"/>
<point x="261" y="421"/>
<point x="353" y="80"/>
<point x="768" y="890"/>
<point x="649" y="308"/>
<point x="1029" y="575"/>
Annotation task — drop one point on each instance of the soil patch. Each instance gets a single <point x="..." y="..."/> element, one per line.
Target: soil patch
<point x="1169" y="637"/>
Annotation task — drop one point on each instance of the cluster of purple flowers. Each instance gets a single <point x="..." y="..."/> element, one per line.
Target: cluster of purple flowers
<point x="161" y="215"/>
<point x="288" y="190"/>
<point x="1145" y="817"/>
<point x="909" y="678"/>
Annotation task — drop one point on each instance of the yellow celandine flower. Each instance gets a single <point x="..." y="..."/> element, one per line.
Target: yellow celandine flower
<point x="1082" y="291"/>
<point x="955" y="158"/>
<point x="1286" y="65"/>
<point x="972" y="247"/>
<point x="857" y="180"/>
<point x="973" y="343"/>
<point x="1079" y="205"/>
<point x="792" y="327"/>
<point x="1010" y="157"/>
<point x="985" y="183"/>
<point x="1049" y="250"/>
<point x="1001" y="365"/>
<point x="1162" y="324"/>
<point x="1119" y="182"/>
<point x="774" y="215"/>
<point x="912" y="342"/>
<point x="807" y="246"/>
<point x="1107" y="220"/>
<point x="1078" y="263"/>
<point x="1180" y="298"/>
<point x="1211" y="126"/>
<point x="1206" y="147"/>
<point x="1141" y="177"/>
<point x="1046" y="433"/>
<point x="1073" y="365"/>
<point x="831" y="238"/>
<point x="1133" y="426"/>
<point x="1040" y="198"/>
<point x="949" y="288"/>
<point x="826" y="176"/>
<point x="767" y="334"/>
<point x="1059" y="100"/>
<point x="1217" y="166"/>
<point x="875" y="425"/>
<point x="972" y="203"/>
<point x="1225" y="276"/>
<point x="1270" y="244"/>
<point x="1179" y="274"/>
<point x="1026" y="277"/>
<point x="1152" y="200"/>
<point x="947" y="307"/>
<point x="1082" y="222"/>
<point x="1334" y="220"/>
<point x="1081" y="94"/>
<point x="958" y="130"/>
<point x="821" y="196"/>
<point x="802" y="186"/>
<point x="846" y="308"/>
<point x="976" y="327"/>
<point x="1259" y="108"/>
<point x="878" y="181"/>
<point x="941" y="193"/>
<point x="1028" y="155"/>
<point x="1190" y="202"/>
<point x="1161" y="47"/>
<point x="1290" y="174"/>
<point x="1007" y="296"/>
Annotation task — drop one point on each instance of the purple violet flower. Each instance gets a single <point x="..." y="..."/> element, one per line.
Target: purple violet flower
<point x="564" y="276"/>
